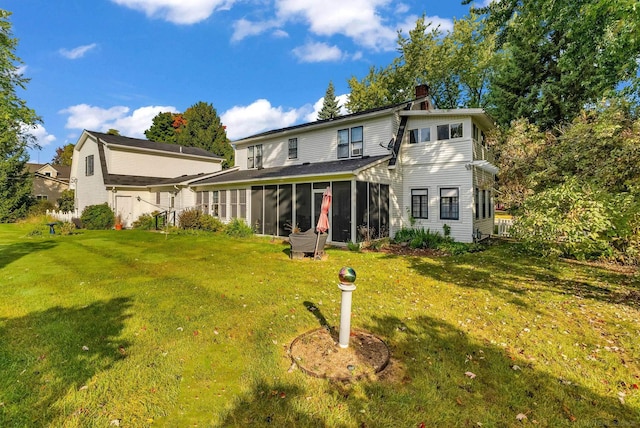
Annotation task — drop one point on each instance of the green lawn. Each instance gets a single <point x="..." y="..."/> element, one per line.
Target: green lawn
<point x="137" y="328"/>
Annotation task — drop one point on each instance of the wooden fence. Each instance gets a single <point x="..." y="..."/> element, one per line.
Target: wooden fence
<point x="62" y="215"/>
<point x="502" y="226"/>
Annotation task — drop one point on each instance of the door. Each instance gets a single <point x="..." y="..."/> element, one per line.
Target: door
<point x="124" y="208"/>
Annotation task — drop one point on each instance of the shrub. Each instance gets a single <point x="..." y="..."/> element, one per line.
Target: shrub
<point x="41" y="207"/>
<point x="148" y="221"/>
<point x="66" y="200"/>
<point x="571" y="220"/>
<point x="238" y="228"/>
<point x="353" y="246"/>
<point x="98" y="217"/>
<point x="190" y="218"/>
<point x="67" y="228"/>
<point x="211" y="223"/>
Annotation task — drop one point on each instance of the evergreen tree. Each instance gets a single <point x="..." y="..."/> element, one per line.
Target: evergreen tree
<point x="330" y="107"/>
<point x="560" y="55"/>
<point x="15" y="121"/>
<point x="162" y="128"/>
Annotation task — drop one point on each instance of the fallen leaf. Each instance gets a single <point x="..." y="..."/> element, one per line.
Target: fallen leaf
<point x="469" y="374"/>
<point x="515" y="367"/>
<point x="85" y="348"/>
<point x="521" y="416"/>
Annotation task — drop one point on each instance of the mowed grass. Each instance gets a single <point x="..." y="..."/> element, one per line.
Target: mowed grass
<point x="134" y="328"/>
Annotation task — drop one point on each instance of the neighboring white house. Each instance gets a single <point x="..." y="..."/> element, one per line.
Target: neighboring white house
<point x="137" y="176"/>
<point x="388" y="168"/>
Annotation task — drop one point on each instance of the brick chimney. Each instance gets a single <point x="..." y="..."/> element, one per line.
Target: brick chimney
<point x="422" y="91"/>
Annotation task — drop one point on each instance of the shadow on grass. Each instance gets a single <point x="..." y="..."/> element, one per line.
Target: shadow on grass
<point x="439" y="376"/>
<point x="317" y="313"/>
<point x="46" y="355"/>
<point x="504" y="271"/>
<point x="12" y="252"/>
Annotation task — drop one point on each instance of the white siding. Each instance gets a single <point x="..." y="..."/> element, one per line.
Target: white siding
<point x="434" y="177"/>
<point x="157" y="165"/>
<point x="90" y="189"/>
<point x="320" y="145"/>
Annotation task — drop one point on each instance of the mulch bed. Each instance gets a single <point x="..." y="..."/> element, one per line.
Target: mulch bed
<point x="318" y="354"/>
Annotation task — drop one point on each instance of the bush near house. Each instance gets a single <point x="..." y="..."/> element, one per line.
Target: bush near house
<point x="421" y="238"/>
<point x="96" y="217"/>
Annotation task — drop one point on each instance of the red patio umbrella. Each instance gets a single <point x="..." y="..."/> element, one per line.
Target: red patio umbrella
<point x="323" y="221"/>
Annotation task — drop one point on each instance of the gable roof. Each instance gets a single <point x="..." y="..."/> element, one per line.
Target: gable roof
<point x="378" y="111"/>
<point x="138" y="143"/>
<point x="350" y="166"/>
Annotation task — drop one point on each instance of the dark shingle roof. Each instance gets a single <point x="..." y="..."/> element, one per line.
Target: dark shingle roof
<point x="142" y="181"/>
<point x="306" y="169"/>
<point x="151" y="145"/>
<point x="319" y="122"/>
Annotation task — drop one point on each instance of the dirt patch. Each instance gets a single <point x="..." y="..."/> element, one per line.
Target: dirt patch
<point x="318" y="354"/>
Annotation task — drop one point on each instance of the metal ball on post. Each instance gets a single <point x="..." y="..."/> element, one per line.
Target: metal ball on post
<point x="347" y="277"/>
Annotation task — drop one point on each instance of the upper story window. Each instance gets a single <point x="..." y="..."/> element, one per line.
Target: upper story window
<point x="293" y="148"/>
<point x="350" y="142"/>
<point x="254" y="156"/>
<point x="450" y="130"/>
<point x="421" y="135"/>
<point x="88" y="165"/>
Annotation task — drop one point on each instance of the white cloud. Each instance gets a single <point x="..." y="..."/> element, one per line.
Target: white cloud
<point x="78" y="52"/>
<point x="43" y="138"/>
<point x="359" y="20"/>
<point x="83" y="116"/>
<point x="318" y="52"/>
<point x="342" y="101"/>
<point x="243" y="121"/>
<point x="21" y="70"/>
<point x="244" y="28"/>
<point x="182" y="12"/>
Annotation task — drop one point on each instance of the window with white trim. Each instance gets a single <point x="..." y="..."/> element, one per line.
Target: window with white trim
<point x="293" y="148"/>
<point x="88" y="165"/>
<point x="215" y="203"/>
<point x="421" y="135"/>
<point x="452" y="130"/>
<point x="350" y="142"/>
<point x="420" y="203"/>
<point x="254" y="156"/>
<point x="449" y="203"/>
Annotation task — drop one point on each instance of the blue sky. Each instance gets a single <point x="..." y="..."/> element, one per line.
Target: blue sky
<point x="262" y="64"/>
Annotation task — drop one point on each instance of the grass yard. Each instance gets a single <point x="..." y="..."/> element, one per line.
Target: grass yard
<point x="134" y="328"/>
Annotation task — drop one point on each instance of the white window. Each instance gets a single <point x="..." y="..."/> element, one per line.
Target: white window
<point x="88" y="165"/>
<point x="421" y="135"/>
<point x="254" y="156"/>
<point x="350" y="142"/>
<point x="215" y="204"/>
<point x="453" y="130"/>
<point x="293" y="148"/>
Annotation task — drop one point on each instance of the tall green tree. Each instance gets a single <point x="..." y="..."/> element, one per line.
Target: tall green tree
<point x="16" y="121"/>
<point x="203" y="128"/>
<point x="330" y="107"/>
<point x="162" y="128"/>
<point x="64" y="155"/>
<point x="560" y="55"/>
<point x="456" y="66"/>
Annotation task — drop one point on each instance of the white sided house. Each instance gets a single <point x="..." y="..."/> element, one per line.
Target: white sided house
<point x="406" y="165"/>
<point x="135" y="176"/>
